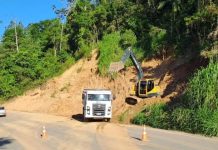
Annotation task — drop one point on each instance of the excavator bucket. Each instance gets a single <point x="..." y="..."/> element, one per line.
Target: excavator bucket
<point x="116" y="66"/>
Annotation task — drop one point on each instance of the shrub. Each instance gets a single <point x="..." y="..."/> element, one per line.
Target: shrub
<point x="128" y="38"/>
<point x="158" y="39"/>
<point x="181" y="119"/>
<point x="206" y="122"/>
<point x="154" y="116"/>
<point x="109" y="51"/>
<point x="84" y="51"/>
<point x="202" y="89"/>
<point x="123" y="116"/>
<point x="139" y="119"/>
<point x="196" y="113"/>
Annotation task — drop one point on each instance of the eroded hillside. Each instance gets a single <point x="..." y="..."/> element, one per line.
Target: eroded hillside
<point x="62" y="95"/>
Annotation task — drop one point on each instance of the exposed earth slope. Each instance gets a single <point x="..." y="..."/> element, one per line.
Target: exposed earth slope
<point x="62" y="95"/>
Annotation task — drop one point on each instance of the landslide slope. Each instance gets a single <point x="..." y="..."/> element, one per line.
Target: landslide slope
<point x="62" y="95"/>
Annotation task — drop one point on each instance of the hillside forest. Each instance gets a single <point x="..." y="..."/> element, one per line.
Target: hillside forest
<point x="30" y="55"/>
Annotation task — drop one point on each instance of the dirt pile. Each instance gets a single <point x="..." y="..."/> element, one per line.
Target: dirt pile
<point x="62" y="95"/>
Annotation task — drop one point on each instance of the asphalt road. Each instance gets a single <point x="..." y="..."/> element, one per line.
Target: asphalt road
<point x="159" y="139"/>
<point x="21" y="131"/>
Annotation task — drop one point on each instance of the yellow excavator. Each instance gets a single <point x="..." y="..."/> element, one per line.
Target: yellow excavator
<point x="143" y="87"/>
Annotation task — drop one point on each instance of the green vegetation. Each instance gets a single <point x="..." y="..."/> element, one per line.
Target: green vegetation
<point x="109" y="51"/>
<point x="38" y="58"/>
<point x="154" y="116"/>
<point x="123" y="116"/>
<point x="112" y="48"/>
<point x="196" y="111"/>
<point x="203" y="88"/>
<point x="153" y="27"/>
<point x="158" y="27"/>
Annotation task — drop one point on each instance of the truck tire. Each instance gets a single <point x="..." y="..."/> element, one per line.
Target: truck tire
<point x="108" y="119"/>
<point x="85" y="119"/>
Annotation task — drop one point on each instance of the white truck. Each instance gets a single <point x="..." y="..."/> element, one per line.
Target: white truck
<point x="97" y="104"/>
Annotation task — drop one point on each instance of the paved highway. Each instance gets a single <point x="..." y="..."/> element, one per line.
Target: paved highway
<point x="21" y="131"/>
<point x="159" y="139"/>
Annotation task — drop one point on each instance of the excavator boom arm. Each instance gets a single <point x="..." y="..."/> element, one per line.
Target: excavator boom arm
<point x="129" y="53"/>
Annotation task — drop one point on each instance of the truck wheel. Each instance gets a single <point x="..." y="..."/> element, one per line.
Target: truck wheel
<point x="85" y="119"/>
<point x="108" y="119"/>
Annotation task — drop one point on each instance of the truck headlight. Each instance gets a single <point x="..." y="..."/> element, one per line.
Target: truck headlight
<point x="88" y="110"/>
<point x="109" y="109"/>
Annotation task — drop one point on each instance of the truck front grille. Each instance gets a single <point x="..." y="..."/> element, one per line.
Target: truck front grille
<point x="99" y="109"/>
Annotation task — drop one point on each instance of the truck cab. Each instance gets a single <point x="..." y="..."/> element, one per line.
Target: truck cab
<point x="97" y="104"/>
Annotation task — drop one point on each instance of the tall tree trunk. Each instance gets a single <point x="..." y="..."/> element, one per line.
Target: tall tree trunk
<point x="171" y="27"/>
<point x="55" y="50"/>
<point x="62" y="29"/>
<point x="16" y="38"/>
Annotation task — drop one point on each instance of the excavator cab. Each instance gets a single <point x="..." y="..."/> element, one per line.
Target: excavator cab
<point x="145" y="88"/>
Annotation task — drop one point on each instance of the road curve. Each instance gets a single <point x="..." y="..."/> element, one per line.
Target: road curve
<point x="21" y="131"/>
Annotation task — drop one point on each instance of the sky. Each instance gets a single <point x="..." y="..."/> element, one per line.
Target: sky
<point x="27" y="11"/>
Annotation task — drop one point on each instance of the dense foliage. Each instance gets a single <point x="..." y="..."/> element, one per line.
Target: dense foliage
<point x="196" y="112"/>
<point x="38" y="58"/>
<point x="152" y="27"/>
<point x="111" y="49"/>
<point x="160" y="26"/>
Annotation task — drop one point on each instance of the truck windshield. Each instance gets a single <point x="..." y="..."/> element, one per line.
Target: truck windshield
<point x="98" y="97"/>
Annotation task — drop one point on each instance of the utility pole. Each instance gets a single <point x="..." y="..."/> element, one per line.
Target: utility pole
<point x="16" y="38"/>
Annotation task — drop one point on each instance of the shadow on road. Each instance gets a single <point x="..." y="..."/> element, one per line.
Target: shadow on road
<point x="5" y="141"/>
<point x="136" y="138"/>
<point x="78" y="117"/>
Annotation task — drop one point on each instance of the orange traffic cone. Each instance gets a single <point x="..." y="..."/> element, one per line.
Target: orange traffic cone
<point x="44" y="133"/>
<point x="144" y="134"/>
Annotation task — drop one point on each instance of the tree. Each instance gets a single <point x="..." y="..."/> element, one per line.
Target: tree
<point x="16" y="36"/>
<point x="47" y="34"/>
<point x="10" y="36"/>
<point x="128" y="38"/>
<point x="158" y="40"/>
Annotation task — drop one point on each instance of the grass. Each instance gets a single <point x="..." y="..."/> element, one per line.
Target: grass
<point x="195" y="112"/>
<point x="123" y="116"/>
